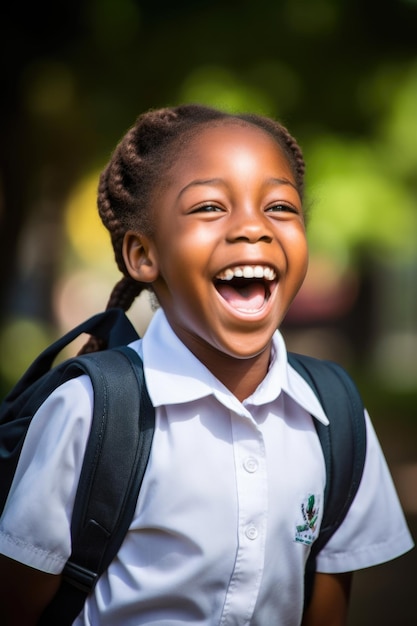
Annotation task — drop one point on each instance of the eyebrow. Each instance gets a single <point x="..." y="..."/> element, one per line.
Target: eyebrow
<point x="219" y="181"/>
<point x="282" y="181"/>
<point x="201" y="181"/>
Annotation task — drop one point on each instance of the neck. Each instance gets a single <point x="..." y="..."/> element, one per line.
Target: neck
<point x="240" y="376"/>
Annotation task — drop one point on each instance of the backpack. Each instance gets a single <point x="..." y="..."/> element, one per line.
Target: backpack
<point x="105" y="500"/>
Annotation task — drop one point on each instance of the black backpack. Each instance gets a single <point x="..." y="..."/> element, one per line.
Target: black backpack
<point x="105" y="501"/>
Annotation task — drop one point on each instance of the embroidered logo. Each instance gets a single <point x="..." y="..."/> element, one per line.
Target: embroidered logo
<point x="306" y="530"/>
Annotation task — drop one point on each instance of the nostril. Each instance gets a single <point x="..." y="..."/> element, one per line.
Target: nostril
<point x="250" y="228"/>
<point x="253" y="238"/>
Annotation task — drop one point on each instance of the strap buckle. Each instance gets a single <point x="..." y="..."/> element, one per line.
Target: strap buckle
<point x="80" y="577"/>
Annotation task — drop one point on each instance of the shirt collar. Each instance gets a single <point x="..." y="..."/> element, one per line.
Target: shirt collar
<point x="282" y="377"/>
<point x="174" y="375"/>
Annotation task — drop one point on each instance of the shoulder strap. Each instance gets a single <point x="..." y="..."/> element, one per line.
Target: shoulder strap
<point x="38" y="382"/>
<point x="343" y="443"/>
<point x="114" y="464"/>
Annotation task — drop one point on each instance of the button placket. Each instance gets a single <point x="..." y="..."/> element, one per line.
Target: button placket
<point x="252" y="493"/>
<point x="251" y="465"/>
<point x="251" y="532"/>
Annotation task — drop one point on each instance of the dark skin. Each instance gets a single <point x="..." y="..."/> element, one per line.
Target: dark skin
<point x="24" y="593"/>
<point x="232" y="202"/>
<point x="330" y="600"/>
<point x="237" y="223"/>
<point x="229" y="207"/>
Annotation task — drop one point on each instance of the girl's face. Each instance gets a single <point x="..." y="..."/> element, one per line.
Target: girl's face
<point x="229" y="247"/>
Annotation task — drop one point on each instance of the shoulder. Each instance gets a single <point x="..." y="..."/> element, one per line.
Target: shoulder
<point x="374" y="530"/>
<point x="67" y="408"/>
<point x="35" y="526"/>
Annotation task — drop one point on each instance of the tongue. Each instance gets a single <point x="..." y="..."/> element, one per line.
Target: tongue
<point x="247" y="298"/>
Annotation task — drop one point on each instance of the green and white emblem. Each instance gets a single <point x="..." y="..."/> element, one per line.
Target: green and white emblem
<point x="307" y="529"/>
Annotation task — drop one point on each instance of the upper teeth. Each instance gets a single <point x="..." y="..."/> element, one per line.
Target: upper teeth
<point x="247" y="271"/>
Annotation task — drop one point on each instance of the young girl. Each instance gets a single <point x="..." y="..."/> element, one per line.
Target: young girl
<point x="205" y="209"/>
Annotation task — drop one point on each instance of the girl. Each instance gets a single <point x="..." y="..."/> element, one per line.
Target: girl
<point x="205" y="209"/>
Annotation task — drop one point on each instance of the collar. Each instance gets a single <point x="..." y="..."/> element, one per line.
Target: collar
<point x="174" y="375"/>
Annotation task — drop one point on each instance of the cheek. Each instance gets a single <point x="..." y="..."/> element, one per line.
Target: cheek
<point x="303" y="255"/>
<point x="297" y="251"/>
<point x="297" y="263"/>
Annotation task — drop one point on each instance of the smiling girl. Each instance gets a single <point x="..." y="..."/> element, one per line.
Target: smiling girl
<point x="205" y="209"/>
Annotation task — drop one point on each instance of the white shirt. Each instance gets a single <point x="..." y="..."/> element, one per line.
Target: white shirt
<point x="216" y="536"/>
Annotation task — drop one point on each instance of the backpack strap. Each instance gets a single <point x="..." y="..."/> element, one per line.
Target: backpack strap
<point x="343" y="443"/>
<point x="38" y="382"/>
<point x="112" y="325"/>
<point x="117" y="453"/>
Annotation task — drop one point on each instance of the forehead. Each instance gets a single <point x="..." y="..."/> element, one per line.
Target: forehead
<point x="228" y="133"/>
<point x="227" y="143"/>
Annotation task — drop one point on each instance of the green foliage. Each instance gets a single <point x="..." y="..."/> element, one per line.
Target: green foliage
<point x="219" y="87"/>
<point x="76" y="77"/>
<point x="357" y="204"/>
<point x="21" y="340"/>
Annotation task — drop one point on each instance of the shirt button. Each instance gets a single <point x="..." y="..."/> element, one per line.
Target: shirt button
<point x="250" y="465"/>
<point x="251" y="532"/>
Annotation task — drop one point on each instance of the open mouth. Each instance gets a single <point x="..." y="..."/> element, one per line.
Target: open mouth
<point x="246" y="288"/>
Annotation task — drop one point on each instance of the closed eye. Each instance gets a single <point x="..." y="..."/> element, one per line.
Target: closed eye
<point x="207" y="208"/>
<point x="282" y="208"/>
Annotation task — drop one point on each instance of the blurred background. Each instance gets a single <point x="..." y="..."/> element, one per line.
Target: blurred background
<point x="341" y="74"/>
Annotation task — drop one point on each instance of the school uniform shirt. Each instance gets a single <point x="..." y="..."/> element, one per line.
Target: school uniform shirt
<point x="219" y="536"/>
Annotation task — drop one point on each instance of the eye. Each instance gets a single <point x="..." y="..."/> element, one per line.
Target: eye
<point x="281" y="207"/>
<point x="207" y="208"/>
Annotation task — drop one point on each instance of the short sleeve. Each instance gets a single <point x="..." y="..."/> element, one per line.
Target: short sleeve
<point x="374" y="530"/>
<point x="35" y="525"/>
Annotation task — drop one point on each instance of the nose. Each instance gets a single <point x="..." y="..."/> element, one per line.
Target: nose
<point x="250" y="225"/>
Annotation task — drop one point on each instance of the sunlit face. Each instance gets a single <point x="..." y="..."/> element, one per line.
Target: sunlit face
<point x="229" y="242"/>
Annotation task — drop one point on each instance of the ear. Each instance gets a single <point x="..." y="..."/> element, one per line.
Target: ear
<point x="139" y="257"/>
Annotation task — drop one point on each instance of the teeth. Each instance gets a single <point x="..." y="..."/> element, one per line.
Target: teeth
<point x="247" y="271"/>
<point x="228" y="274"/>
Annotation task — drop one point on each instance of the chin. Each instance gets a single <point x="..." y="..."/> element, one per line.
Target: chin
<point x="247" y="349"/>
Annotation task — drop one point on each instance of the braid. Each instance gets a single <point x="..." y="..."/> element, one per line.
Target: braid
<point x="111" y="184"/>
<point x="298" y="159"/>
<point x="139" y="164"/>
<point x="94" y="344"/>
<point x="125" y="292"/>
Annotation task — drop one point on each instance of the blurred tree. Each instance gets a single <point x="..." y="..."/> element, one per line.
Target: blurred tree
<point x="75" y="75"/>
<point x="40" y="150"/>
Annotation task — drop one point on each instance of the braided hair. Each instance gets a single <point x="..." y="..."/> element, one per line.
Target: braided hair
<point x="137" y="166"/>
